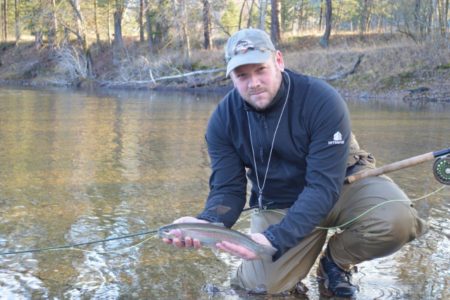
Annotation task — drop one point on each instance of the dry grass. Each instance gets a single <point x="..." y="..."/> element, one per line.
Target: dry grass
<point x="387" y="64"/>
<point x="71" y="64"/>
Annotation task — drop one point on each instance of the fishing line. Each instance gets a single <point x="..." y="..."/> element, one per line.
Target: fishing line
<point x="74" y="246"/>
<point x="370" y="209"/>
<point x="110" y="251"/>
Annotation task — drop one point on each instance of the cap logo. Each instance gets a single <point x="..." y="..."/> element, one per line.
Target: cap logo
<point x="243" y="46"/>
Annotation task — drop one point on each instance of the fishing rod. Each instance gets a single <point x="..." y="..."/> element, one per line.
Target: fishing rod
<point x="441" y="166"/>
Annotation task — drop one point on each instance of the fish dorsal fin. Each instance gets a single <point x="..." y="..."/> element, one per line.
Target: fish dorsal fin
<point x="219" y="224"/>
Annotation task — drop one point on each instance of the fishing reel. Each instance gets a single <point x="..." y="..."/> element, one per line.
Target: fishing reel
<point x="441" y="170"/>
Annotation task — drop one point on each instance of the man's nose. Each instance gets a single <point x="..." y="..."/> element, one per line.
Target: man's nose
<point x="253" y="81"/>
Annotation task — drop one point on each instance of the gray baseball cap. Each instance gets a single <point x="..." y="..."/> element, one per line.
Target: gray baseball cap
<point x="247" y="46"/>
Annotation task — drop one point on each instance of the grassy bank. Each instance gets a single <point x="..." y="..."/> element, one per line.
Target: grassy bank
<point x="388" y="64"/>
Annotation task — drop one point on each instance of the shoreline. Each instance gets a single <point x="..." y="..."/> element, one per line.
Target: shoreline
<point x="419" y="98"/>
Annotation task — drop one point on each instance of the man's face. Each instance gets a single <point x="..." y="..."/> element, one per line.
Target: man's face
<point x="259" y="83"/>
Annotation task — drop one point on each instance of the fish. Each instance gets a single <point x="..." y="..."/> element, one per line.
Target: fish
<point x="209" y="234"/>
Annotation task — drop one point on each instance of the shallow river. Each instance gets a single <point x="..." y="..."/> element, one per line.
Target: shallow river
<point x="77" y="167"/>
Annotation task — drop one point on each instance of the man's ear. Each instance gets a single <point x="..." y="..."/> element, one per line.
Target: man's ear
<point x="279" y="61"/>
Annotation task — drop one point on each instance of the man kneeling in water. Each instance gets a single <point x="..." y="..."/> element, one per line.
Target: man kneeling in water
<point x="292" y="134"/>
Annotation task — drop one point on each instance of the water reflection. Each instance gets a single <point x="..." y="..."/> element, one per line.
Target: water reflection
<point x="77" y="167"/>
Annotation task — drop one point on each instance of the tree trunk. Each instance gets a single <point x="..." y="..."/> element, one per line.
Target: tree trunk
<point x="364" y="16"/>
<point x="161" y="27"/>
<point x="37" y="26"/>
<point x="446" y="15"/>
<point x="118" y="13"/>
<point x="141" y="21"/>
<point x="336" y="18"/>
<point x="262" y="14"/>
<point x="207" y="44"/>
<point x="240" y="14"/>
<point x="430" y="17"/>
<point x="5" y="20"/>
<point x="108" y="21"/>
<point x="324" y="41"/>
<point x="417" y="19"/>
<point x="17" y="20"/>
<point x="79" y="20"/>
<point x="177" y="20"/>
<point x="299" y="8"/>
<point x="186" y="39"/>
<point x="97" y="33"/>
<point x="275" y="33"/>
<point x="250" y="12"/>
<point x="148" y="26"/>
<point x="53" y="25"/>
<point x="442" y="6"/>
<point x="320" y="15"/>
<point x="82" y="37"/>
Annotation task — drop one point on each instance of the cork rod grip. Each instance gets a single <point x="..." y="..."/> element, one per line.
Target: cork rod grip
<point x="412" y="161"/>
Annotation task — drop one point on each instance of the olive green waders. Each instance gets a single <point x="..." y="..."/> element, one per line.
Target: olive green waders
<point x="379" y="232"/>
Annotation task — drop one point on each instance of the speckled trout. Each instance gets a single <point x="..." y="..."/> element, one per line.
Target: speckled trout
<point x="209" y="234"/>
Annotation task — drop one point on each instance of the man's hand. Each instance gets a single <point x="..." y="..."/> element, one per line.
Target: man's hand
<point x="187" y="242"/>
<point x="241" y="251"/>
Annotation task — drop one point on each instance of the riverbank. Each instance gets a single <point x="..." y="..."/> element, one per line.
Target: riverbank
<point x="380" y="65"/>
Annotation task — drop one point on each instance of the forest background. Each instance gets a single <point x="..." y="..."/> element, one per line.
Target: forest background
<point x="361" y="46"/>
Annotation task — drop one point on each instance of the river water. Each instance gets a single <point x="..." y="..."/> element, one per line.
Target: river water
<point x="77" y="167"/>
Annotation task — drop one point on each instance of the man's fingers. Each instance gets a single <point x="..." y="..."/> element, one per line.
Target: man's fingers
<point x="187" y="242"/>
<point x="167" y="241"/>
<point x="196" y="244"/>
<point x="237" y="250"/>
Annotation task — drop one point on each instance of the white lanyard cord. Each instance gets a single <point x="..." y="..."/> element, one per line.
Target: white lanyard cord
<point x="261" y="188"/>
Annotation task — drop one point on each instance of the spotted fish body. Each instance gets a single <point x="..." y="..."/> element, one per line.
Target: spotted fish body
<point x="210" y="234"/>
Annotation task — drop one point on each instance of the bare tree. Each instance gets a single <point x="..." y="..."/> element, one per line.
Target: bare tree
<point x="141" y="20"/>
<point x="118" y="14"/>
<point x="365" y="7"/>
<point x="442" y="10"/>
<point x="81" y="34"/>
<point x="108" y="21"/>
<point x="52" y="24"/>
<point x="149" y="24"/>
<point x="446" y="6"/>
<point x="184" y="25"/>
<point x="5" y="20"/>
<point x="250" y="13"/>
<point x="299" y="16"/>
<point x="207" y="44"/>
<point x="320" y="15"/>
<point x="262" y="14"/>
<point x="417" y="18"/>
<point x="97" y="33"/>
<point x="324" y="41"/>
<point x="17" y="20"/>
<point x="161" y="32"/>
<point x="275" y="32"/>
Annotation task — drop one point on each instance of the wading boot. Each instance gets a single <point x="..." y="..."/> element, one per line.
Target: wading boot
<point x="334" y="281"/>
